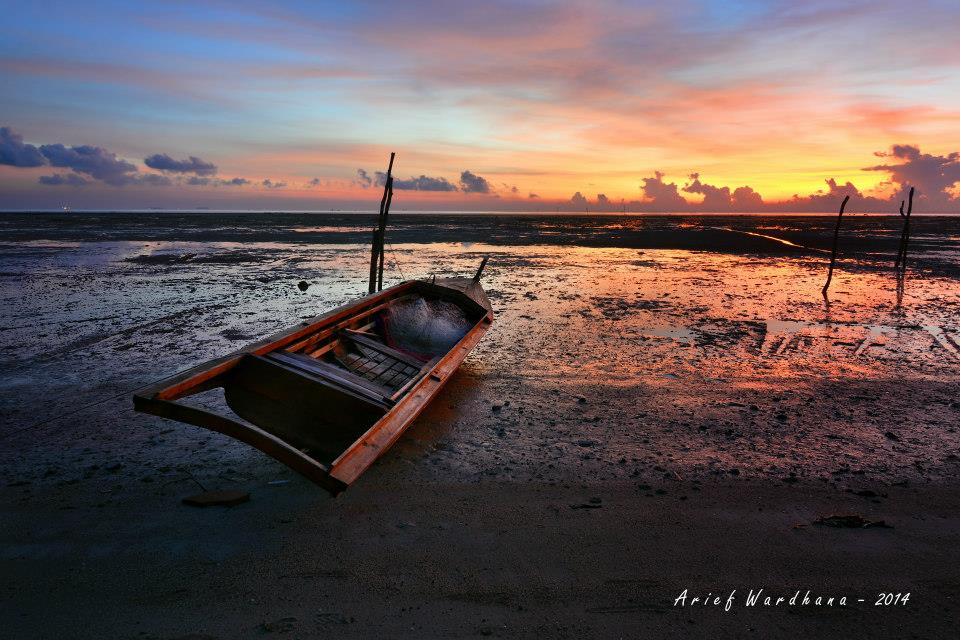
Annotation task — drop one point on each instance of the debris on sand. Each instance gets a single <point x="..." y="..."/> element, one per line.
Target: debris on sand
<point x="303" y="285"/>
<point x="283" y="625"/>
<point x="594" y="503"/>
<point x="850" y="521"/>
<point x="217" y="499"/>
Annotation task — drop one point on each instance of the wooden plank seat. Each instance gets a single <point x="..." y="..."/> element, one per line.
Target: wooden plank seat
<point x="317" y="368"/>
<point x="360" y="364"/>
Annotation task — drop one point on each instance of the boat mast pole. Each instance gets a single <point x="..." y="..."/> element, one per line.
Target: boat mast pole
<point x="376" y="251"/>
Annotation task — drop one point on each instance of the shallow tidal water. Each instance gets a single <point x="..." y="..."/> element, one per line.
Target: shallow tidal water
<point x="603" y="360"/>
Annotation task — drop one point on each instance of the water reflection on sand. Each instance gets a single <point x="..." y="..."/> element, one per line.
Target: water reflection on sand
<point x="676" y="331"/>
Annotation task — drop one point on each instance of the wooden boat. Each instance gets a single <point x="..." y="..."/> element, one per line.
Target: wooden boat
<point x="329" y="396"/>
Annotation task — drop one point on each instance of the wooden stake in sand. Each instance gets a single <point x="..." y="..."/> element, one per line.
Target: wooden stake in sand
<point x="383" y="236"/>
<point x="833" y="254"/>
<point x="376" y="251"/>
<point x="901" y="261"/>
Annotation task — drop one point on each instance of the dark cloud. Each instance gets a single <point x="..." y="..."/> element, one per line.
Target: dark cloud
<point x="315" y="182"/>
<point x="664" y="197"/>
<point x="363" y="178"/>
<point x="15" y="153"/>
<point x="193" y="164"/>
<point x="578" y="201"/>
<point x="932" y="176"/>
<point x="720" y="199"/>
<point x="745" y="199"/>
<point x="602" y="200"/>
<point x="216" y="182"/>
<point x="270" y="184"/>
<point x="423" y="183"/>
<point x="714" y="198"/>
<point x="96" y="162"/>
<point x="661" y="195"/>
<point x="62" y="179"/>
<point x="472" y="183"/>
<point x="829" y="200"/>
<point x="93" y="161"/>
<point x="533" y="195"/>
<point x="151" y="180"/>
<point x="103" y="165"/>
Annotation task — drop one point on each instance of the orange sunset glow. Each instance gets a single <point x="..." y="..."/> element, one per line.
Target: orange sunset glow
<point x="540" y="101"/>
<point x="543" y="319"/>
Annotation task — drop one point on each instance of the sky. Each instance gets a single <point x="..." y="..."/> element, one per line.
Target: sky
<point x="641" y="106"/>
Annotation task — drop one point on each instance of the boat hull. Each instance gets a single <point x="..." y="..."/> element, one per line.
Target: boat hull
<point x="302" y="398"/>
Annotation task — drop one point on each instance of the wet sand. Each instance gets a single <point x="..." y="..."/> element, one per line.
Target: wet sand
<point x="638" y="421"/>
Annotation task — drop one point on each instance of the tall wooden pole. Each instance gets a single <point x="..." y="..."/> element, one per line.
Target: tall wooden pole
<point x="901" y="262"/>
<point x="833" y="254"/>
<point x="376" y="250"/>
<point x="383" y="236"/>
<point x="896" y="263"/>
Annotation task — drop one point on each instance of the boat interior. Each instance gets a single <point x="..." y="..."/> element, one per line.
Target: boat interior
<point x="324" y="390"/>
<point x="328" y="396"/>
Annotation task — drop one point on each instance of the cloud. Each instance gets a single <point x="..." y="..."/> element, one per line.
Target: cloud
<point x="745" y="199"/>
<point x="662" y="195"/>
<point x="933" y="176"/>
<point x="15" y="153"/>
<point x="714" y="198"/>
<point x="270" y="184"/>
<point x="533" y="196"/>
<point x="63" y="179"/>
<point x="193" y="164"/>
<point x="96" y="162"/>
<point x="216" y="182"/>
<point x="578" y="200"/>
<point x="423" y="183"/>
<point x="363" y="178"/>
<point x="105" y="166"/>
<point x="93" y="161"/>
<point x="472" y="183"/>
<point x="602" y="200"/>
<point x="315" y="182"/>
<point x="151" y="180"/>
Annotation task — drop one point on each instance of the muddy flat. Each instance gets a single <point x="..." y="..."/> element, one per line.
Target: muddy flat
<point x="661" y="404"/>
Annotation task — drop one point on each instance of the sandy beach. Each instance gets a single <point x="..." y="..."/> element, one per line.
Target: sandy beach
<point x="663" y="403"/>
